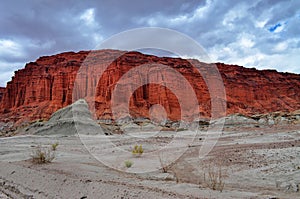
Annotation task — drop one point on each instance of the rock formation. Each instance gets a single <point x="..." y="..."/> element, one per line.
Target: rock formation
<point x="48" y="84"/>
<point x="41" y="88"/>
<point x="70" y="120"/>
<point x="2" y="90"/>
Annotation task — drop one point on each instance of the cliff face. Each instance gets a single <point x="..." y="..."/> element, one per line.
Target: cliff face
<point x="47" y="85"/>
<point x="2" y="90"/>
<point x="41" y="88"/>
<point x="252" y="91"/>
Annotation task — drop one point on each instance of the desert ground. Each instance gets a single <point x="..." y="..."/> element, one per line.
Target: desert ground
<point x="250" y="161"/>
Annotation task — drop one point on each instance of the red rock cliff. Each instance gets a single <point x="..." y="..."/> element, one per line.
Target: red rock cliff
<point x="2" y="90"/>
<point x="46" y="85"/>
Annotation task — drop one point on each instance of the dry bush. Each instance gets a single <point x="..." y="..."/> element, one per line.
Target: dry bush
<point x="42" y="155"/>
<point x="180" y="129"/>
<point x="176" y="175"/>
<point x="214" y="178"/>
<point x="165" y="168"/>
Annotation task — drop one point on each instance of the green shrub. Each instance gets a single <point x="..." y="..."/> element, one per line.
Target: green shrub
<point x="54" y="146"/>
<point x="128" y="163"/>
<point x="138" y="150"/>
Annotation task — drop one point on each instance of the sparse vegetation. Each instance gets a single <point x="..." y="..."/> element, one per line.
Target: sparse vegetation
<point x="54" y="146"/>
<point x="128" y="163"/>
<point x="214" y="178"/>
<point x="137" y="150"/>
<point x="42" y="155"/>
<point x="180" y="129"/>
<point x="165" y="168"/>
<point x="37" y="121"/>
<point x="176" y="176"/>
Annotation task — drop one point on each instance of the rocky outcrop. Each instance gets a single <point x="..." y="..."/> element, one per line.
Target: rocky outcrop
<point x="2" y="90"/>
<point x="250" y="91"/>
<point x="70" y="120"/>
<point x="48" y="84"/>
<point x="41" y="88"/>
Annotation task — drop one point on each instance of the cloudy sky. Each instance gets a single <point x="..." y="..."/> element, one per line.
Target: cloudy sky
<point x="257" y="33"/>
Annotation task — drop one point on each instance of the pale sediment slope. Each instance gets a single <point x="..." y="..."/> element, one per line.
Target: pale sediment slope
<point x="258" y="162"/>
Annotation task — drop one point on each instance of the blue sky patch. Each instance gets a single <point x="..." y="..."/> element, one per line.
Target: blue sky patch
<point x="273" y="28"/>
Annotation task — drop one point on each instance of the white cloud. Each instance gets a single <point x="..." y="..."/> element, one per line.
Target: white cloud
<point x="287" y="62"/>
<point x="40" y="45"/>
<point x="7" y="71"/>
<point x="234" y="55"/>
<point x="97" y="38"/>
<point x="5" y="77"/>
<point x="91" y="28"/>
<point x="152" y="21"/>
<point x="284" y="60"/>
<point x="234" y="14"/>
<point x="179" y="19"/>
<point x="281" y="46"/>
<point x="10" y="48"/>
<point x="88" y="16"/>
<point x="246" y="42"/>
<point x="201" y="12"/>
<point x="14" y="54"/>
<point x="261" y="24"/>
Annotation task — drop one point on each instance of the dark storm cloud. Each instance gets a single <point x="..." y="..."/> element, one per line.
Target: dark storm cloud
<point x="230" y="31"/>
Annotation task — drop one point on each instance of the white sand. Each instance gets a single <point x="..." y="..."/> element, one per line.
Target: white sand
<point x="259" y="163"/>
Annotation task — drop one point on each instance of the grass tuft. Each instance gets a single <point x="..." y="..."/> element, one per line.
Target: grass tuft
<point x="137" y="150"/>
<point x="128" y="163"/>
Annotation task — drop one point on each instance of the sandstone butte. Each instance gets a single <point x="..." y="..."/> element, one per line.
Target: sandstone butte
<point x="2" y="90"/>
<point x="53" y="82"/>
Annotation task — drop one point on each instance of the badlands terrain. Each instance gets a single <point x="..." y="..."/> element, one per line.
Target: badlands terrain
<point x="253" y="144"/>
<point x="257" y="160"/>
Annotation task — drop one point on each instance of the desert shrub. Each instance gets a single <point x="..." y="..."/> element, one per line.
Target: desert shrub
<point x="54" y="146"/>
<point x="180" y="129"/>
<point x="164" y="166"/>
<point x="128" y="163"/>
<point x="214" y="178"/>
<point x="167" y="129"/>
<point x="138" y="150"/>
<point x="176" y="175"/>
<point x="42" y="155"/>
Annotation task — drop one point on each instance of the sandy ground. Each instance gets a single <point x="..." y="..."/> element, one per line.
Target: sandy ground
<point x="262" y="162"/>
